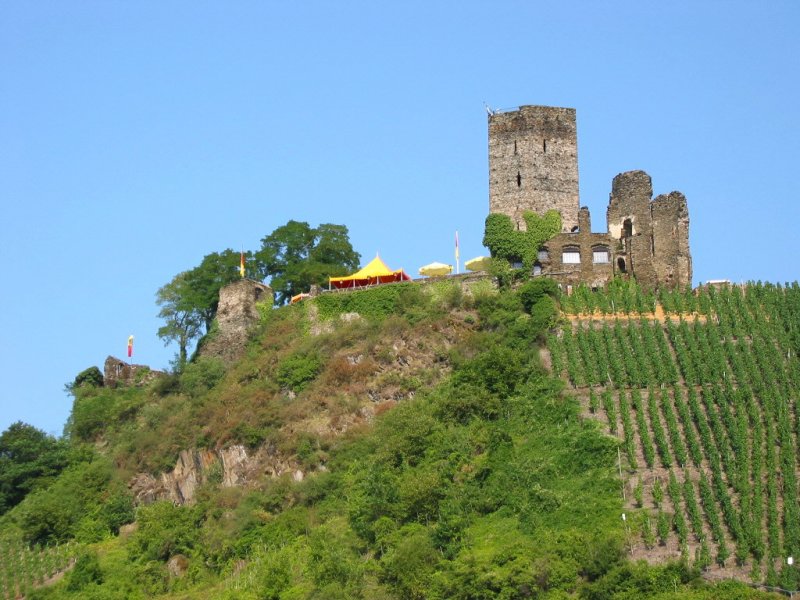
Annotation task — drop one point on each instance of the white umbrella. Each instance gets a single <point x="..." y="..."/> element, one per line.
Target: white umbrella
<point x="480" y="263"/>
<point x="436" y="269"/>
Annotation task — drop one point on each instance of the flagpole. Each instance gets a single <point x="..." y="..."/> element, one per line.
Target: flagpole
<point x="458" y="268"/>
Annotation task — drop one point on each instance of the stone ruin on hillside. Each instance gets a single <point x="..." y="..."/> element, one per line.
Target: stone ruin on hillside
<point x="237" y="313"/>
<point x="117" y="372"/>
<point x="533" y="166"/>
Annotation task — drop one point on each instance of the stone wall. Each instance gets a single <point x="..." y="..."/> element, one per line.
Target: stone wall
<point x="533" y="163"/>
<point x="117" y="372"/>
<point x="595" y="273"/>
<point x="237" y="313"/>
<point x="673" y="261"/>
<point x="652" y="235"/>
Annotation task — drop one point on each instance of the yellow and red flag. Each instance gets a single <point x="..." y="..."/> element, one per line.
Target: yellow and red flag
<point x="241" y="265"/>
<point x="130" y="346"/>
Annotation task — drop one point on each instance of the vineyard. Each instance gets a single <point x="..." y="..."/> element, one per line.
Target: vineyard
<point x="22" y="568"/>
<point x="705" y="405"/>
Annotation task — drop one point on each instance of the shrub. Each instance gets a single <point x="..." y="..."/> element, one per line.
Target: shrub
<point x="201" y="375"/>
<point x="91" y="410"/>
<point x="53" y="514"/>
<point x="533" y="291"/>
<point x="297" y="370"/>
<point x="90" y="377"/>
<point x="166" y="384"/>
<point x="499" y="370"/>
<point x="86" y="571"/>
<point x="411" y="561"/>
<point x="96" y="409"/>
<point x="165" y="530"/>
<point x="465" y="402"/>
<point x="117" y="510"/>
<point x="499" y="311"/>
<point x="544" y="315"/>
<point x="376" y="303"/>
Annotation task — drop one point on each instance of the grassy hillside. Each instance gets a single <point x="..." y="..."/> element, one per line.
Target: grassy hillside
<point x="440" y="458"/>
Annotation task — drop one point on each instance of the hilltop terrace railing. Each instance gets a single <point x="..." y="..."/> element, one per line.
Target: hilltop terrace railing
<point x="422" y="280"/>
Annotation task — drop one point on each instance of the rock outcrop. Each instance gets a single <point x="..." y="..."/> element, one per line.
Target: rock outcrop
<point x="228" y="467"/>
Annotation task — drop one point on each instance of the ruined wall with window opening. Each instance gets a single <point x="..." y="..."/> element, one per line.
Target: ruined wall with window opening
<point x="533" y="165"/>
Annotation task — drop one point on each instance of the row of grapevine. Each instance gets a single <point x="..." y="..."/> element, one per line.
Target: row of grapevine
<point x="619" y="297"/>
<point x="634" y="354"/>
<point x="711" y="396"/>
<point x="23" y="568"/>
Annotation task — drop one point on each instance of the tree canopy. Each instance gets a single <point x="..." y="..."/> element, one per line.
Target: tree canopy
<point x="293" y="257"/>
<point x="183" y="321"/>
<point x="296" y="256"/>
<point x="28" y="458"/>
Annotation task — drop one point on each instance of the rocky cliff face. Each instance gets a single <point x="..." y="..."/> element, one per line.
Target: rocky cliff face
<point x="229" y="467"/>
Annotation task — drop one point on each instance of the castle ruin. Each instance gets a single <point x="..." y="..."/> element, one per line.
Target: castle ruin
<point x="533" y="166"/>
<point x="118" y="372"/>
<point x="237" y="313"/>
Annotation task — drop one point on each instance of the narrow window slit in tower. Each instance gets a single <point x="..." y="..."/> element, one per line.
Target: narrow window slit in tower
<point x="515" y="146"/>
<point x="519" y="179"/>
<point x="544" y="145"/>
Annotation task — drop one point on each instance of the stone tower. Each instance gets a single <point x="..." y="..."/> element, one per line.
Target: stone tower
<point x="533" y="163"/>
<point x="237" y="313"/>
<point x="652" y="234"/>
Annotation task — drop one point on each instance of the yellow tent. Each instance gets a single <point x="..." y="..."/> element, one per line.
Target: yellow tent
<point x="375" y="272"/>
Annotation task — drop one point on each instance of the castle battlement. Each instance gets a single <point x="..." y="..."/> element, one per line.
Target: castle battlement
<point x="533" y="166"/>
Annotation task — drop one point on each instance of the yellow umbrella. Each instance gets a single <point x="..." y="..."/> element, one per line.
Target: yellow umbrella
<point x="436" y="269"/>
<point x="480" y="263"/>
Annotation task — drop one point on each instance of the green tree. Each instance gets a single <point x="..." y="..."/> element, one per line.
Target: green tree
<point x="295" y="256"/>
<point x="204" y="282"/>
<point x="183" y="321"/>
<point x="28" y="458"/>
<point x="89" y="377"/>
<point x="189" y="302"/>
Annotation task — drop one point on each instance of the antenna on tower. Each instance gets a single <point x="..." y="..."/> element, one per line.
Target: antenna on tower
<point x="489" y="110"/>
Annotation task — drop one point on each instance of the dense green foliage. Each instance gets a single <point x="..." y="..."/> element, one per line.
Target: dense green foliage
<point x="29" y="459"/>
<point x="505" y="241"/>
<point x="83" y="503"/>
<point x="91" y="376"/>
<point x="296" y="256"/>
<point x="86" y="571"/>
<point x="183" y="318"/>
<point x="377" y="303"/>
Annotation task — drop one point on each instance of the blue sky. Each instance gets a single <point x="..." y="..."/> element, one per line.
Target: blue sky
<point x="137" y="137"/>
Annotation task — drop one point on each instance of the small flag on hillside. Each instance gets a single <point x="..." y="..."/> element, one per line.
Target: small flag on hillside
<point x="241" y="265"/>
<point x="457" y="253"/>
<point x="130" y="346"/>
